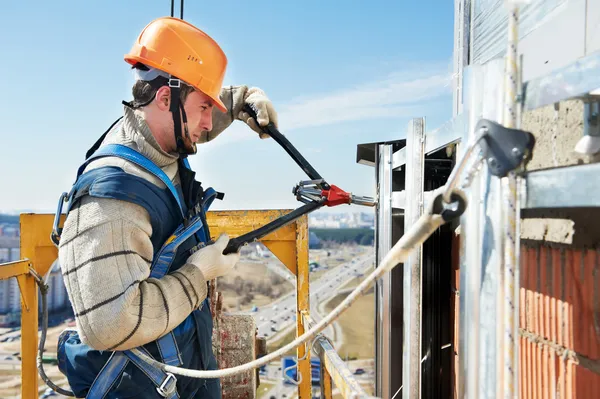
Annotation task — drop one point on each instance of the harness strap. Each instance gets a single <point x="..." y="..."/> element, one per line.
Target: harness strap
<point x="163" y="259"/>
<point x="169" y="351"/>
<point x="167" y="345"/>
<point x="165" y="383"/>
<point x="108" y="376"/>
<point x="131" y="155"/>
<point x="210" y="194"/>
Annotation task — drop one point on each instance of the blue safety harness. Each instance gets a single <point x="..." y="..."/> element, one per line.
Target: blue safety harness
<point x="179" y="228"/>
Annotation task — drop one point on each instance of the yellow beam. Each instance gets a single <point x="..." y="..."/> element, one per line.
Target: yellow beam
<point x="39" y="249"/>
<point x="236" y="223"/>
<point x="326" y="388"/>
<point x="285" y="252"/>
<point x="289" y="244"/>
<point x="14" y="269"/>
<point x="303" y="305"/>
<point x="29" y="337"/>
<point x="35" y="241"/>
<point x="282" y="242"/>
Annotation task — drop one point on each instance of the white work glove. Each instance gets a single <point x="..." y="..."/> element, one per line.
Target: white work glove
<point x="211" y="261"/>
<point x="234" y="98"/>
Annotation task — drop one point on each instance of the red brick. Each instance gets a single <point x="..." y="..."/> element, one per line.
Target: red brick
<point x="580" y="316"/>
<point x="531" y="302"/>
<point x="544" y="371"/>
<point x="595" y="306"/>
<point x="585" y="384"/>
<point x="522" y="368"/>
<point x="535" y="277"/>
<point x="556" y="303"/>
<point x="572" y="258"/>
<point x="540" y="371"/>
<point x="562" y="377"/>
<point x="534" y="369"/>
<point x="557" y="372"/>
<point x="528" y="361"/>
<point x="525" y="284"/>
<point x="552" y="363"/>
<point x="523" y="288"/>
<point x="571" y="375"/>
<point x="543" y="315"/>
<point x="589" y="330"/>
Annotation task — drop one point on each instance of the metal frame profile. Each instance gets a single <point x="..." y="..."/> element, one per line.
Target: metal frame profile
<point x="411" y="348"/>
<point x="333" y="367"/>
<point x="383" y="288"/>
<point x="481" y="261"/>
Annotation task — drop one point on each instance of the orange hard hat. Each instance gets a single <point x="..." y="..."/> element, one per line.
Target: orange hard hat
<point x="180" y="49"/>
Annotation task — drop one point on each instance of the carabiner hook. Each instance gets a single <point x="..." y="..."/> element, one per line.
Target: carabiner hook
<point x="56" y="230"/>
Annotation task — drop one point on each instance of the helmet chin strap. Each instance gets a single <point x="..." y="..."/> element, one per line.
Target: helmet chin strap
<point x="175" y="108"/>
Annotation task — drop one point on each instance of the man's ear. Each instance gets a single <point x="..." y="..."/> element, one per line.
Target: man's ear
<point x="163" y="98"/>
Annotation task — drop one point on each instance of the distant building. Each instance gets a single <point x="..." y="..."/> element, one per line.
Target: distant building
<point x="10" y="296"/>
<point x="9" y="230"/>
<point x="342" y="220"/>
<point x="58" y="298"/>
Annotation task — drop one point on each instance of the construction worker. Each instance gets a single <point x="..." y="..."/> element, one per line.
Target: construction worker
<point x="134" y="279"/>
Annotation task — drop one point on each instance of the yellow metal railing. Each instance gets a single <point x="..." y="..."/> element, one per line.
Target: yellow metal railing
<point x="333" y="368"/>
<point x="289" y="244"/>
<point x="38" y="253"/>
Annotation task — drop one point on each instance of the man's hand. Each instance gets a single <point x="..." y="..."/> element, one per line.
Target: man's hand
<point x="211" y="261"/>
<point x="234" y="98"/>
<point x="265" y="112"/>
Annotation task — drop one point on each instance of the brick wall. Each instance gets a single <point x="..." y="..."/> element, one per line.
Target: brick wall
<point x="559" y="322"/>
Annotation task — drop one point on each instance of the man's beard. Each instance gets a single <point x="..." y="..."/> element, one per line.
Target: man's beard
<point x="188" y="143"/>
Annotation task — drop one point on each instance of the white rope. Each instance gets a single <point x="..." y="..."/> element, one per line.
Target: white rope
<point x="419" y="232"/>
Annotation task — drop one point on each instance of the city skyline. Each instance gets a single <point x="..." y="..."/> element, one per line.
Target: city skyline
<point x="333" y="86"/>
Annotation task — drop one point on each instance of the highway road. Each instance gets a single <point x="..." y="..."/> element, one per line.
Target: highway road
<point x="275" y="319"/>
<point x="276" y="316"/>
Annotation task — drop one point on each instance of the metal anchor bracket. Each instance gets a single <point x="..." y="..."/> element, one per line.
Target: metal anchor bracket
<point x="504" y="149"/>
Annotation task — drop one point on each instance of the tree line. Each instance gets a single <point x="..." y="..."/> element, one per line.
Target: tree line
<point x="360" y="236"/>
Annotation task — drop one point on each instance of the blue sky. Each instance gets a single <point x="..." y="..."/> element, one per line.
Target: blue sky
<point x="340" y="73"/>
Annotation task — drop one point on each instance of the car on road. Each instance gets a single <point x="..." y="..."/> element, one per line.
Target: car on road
<point x="48" y="393"/>
<point x="359" y="371"/>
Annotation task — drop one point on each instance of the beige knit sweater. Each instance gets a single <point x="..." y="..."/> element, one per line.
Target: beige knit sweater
<point x="105" y="255"/>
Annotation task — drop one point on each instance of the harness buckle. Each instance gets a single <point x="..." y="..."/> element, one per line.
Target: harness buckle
<point x="168" y="386"/>
<point x="174" y="83"/>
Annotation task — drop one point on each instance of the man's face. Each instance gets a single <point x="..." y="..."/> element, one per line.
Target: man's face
<point x="198" y="110"/>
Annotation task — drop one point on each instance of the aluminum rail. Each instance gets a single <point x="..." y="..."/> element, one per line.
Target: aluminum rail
<point x="334" y="365"/>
